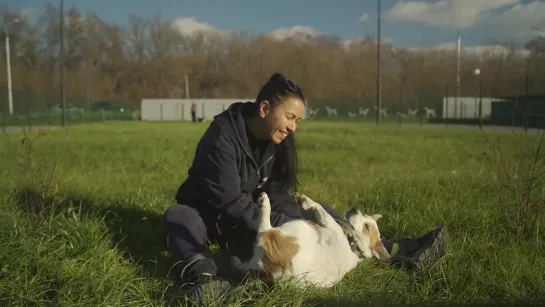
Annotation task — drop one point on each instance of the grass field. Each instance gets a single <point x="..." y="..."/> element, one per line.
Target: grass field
<point x="104" y="244"/>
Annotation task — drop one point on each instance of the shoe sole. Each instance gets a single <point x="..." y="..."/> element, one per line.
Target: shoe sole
<point x="429" y="257"/>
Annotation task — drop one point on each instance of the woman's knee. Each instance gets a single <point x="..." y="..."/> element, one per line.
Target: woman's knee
<point x="179" y="217"/>
<point x="186" y="232"/>
<point x="180" y="214"/>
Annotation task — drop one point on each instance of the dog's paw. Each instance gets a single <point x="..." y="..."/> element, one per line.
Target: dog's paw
<point x="303" y="201"/>
<point x="263" y="200"/>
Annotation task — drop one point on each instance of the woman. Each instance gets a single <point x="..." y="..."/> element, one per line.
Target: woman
<point x="247" y="149"/>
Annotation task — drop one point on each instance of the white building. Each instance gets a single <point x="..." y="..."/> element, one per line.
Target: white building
<point x="171" y="109"/>
<point x="467" y="107"/>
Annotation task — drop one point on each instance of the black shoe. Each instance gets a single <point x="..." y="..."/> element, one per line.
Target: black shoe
<point x="207" y="289"/>
<point x="426" y="251"/>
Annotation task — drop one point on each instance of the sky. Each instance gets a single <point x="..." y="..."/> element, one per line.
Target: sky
<point x="405" y="23"/>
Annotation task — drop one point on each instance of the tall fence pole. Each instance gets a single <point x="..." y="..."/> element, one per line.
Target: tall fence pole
<point x="378" y="107"/>
<point x="480" y="104"/>
<point x="527" y="99"/>
<point x="420" y="109"/>
<point x="445" y="117"/>
<point x="63" y="89"/>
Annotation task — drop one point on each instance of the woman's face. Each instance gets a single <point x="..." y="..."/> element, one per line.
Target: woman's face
<point x="281" y="119"/>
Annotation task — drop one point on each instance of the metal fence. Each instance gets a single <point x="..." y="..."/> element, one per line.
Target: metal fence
<point x="43" y="109"/>
<point x="395" y="111"/>
<point x="40" y="112"/>
<point x="31" y="109"/>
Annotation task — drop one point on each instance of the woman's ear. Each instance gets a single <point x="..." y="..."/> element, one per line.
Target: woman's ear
<point x="264" y="108"/>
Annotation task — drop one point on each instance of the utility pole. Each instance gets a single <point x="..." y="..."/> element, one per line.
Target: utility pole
<point x="63" y="89"/>
<point x="378" y="102"/>
<point x="8" y="63"/>
<point x="8" y="69"/>
<point x="458" y="51"/>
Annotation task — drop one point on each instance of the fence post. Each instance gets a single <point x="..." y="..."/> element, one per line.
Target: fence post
<point x="480" y="104"/>
<point x="445" y="118"/>
<point x="526" y="105"/>
<point x="29" y="120"/>
<point x="420" y="109"/>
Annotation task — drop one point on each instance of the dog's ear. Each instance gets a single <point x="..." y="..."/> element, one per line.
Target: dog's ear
<point x="351" y="212"/>
<point x="376" y="217"/>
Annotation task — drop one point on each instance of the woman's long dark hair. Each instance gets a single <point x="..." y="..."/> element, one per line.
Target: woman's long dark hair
<point x="285" y="169"/>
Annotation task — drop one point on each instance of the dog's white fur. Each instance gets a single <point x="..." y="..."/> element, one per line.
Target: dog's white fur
<point x="319" y="254"/>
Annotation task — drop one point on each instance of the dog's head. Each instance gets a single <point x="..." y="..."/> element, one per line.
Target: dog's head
<point x="364" y="236"/>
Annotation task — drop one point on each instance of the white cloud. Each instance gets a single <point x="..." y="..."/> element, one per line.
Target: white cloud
<point x="190" y="26"/>
<point x="298" y="32"/>
<point x="518" y="20"/>
<point x="26" y="12"/>
<point x="446" y="13"/>
<point x="363" y="18"/>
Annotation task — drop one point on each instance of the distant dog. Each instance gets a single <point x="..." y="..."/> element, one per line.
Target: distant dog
<point x="319" y="252"/>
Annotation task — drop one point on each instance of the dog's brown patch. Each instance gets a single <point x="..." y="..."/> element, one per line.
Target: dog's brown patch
<point x="279" y="251"/>
<point x="313" y="224"/>
<point x="374" y="237"/>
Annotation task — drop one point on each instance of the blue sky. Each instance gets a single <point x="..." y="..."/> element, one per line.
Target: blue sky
<point x="406" y="22"/>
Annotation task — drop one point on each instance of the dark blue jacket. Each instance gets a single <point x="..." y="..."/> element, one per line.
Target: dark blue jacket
<point x="225" y="179"/>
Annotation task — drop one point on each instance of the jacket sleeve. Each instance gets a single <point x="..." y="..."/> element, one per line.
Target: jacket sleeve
<point x="216" y="166"/>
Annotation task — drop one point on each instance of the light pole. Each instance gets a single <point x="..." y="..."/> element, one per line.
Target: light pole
<point x="63" y="89"/>
<point x="477" y="72"/>
<point x="458" y="52"/>
<point x="378" y="102"/>
<point x="8" y="65"/>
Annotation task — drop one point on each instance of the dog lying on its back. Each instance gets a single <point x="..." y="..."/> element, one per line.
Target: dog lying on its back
<point x="318" y="252"/>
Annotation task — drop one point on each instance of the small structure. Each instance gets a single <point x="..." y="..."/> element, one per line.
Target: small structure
<point x="170" y="109"/>
<point x="466" y="107"/>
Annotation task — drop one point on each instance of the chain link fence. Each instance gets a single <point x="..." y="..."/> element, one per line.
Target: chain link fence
<point x="35" y="109"/>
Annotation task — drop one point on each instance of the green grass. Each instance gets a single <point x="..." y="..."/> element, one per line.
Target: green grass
<point x="105" y="246"/>
<point x="55" y="118"/>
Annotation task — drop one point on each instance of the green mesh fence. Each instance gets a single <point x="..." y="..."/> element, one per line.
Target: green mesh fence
<point x="38" y="109"/>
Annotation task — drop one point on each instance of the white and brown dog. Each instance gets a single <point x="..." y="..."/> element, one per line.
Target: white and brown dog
<point x="318" y="252"/>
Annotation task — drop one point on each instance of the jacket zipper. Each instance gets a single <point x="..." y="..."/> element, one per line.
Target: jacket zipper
<point x="257" y="165"/>
<point x="265" y="163"/>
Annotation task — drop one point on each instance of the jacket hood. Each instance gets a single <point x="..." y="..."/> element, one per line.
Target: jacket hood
<point x="234" y="120"/>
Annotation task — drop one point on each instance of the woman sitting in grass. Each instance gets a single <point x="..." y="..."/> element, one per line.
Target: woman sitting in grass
<point x="250" y="148"/>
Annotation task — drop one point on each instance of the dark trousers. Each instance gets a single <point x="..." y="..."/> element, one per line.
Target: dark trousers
<point x="190" y="231"/>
